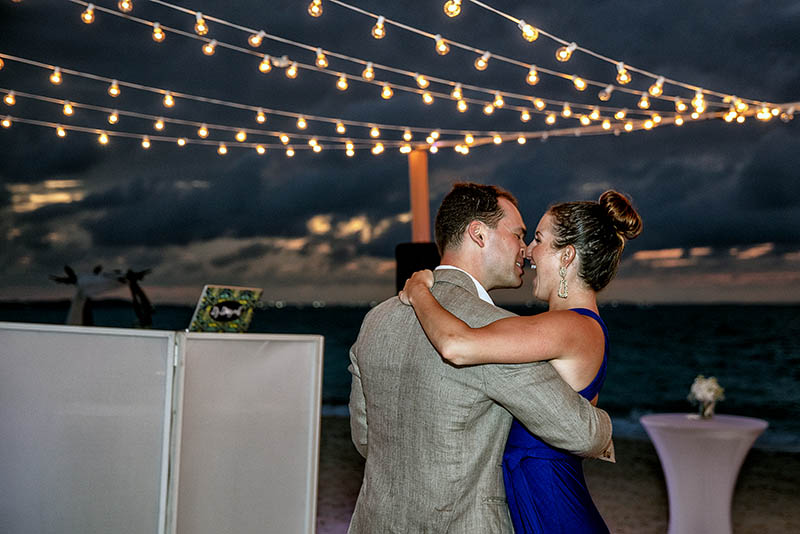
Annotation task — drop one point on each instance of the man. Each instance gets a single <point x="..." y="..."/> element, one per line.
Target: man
<point x="433" y="434"/>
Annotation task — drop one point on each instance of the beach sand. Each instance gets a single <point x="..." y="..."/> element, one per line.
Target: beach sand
<point x="631" y="494"/>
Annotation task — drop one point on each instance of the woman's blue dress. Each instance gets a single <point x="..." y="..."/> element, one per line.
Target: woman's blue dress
<point x="545" y="486"/>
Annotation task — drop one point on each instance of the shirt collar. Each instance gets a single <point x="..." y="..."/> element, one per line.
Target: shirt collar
<point x="482" y="293"/>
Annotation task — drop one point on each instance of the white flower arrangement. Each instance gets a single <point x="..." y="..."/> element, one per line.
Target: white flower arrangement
<point x="706" y="392"/>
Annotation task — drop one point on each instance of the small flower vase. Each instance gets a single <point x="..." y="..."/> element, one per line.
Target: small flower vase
<point x="706" y="410"/>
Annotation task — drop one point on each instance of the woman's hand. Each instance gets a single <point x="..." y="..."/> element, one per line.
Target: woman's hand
<point x="419" y="281"/>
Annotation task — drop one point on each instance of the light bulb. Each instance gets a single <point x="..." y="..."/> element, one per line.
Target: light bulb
<point x="10" y="99"/>
<point x="377" y="149"/>
<point x="2" y="63"/>
<point x="533" y="76"/>
<point x="289" y="152"/>
<point x="349" y="145"/>
<point x="301" y="123"/>
<point x="113" y="117"/>
<point x="427" y="98"/>
<point x="462" y="106"/>
<point x="313" y="141"/>
<point x="678" y="120"/>
<point x="341" y="83"/>
<point x="386" y="92"/>
<point x="113" y="89"/>
<point x="680" y="105"/>
<point x="741" y="107"/>
<point x="159" y="125"/>
<point x="126" y="6"/>
<point x="566" y="111"/>
<point x="340" y="129"/>
<point x="6" y="122"/>
<point x="488" y="109"/>
<point x="374" y="132"/>
<point x="284" y="139"/>
<point x="405" y="149"/>
<point x="168" y="100"/>
<point x="764" y="114"/>
<point x="644" y="102"/>
<point x="585" y="120"/>
<point x="202" y="131"/>
<point x="317" y="148"/>
<point x="256" y="39"/>
<point x="265" y="65"/>
<point x="740" y="119"/>
<point x="261" y="150"/>
<point x="261" y="118"/>
<point x="315" y="8"/>
<point x="456" y="93"/>
<point x="222" y="149"/>
<point x="368" y="73"/>
<point x="322" y="61"/>
<point x="698" y="100"/>
<point x="469" y="139"/>
<point x="145" y="142"/>
<point x="68" y="109"/>
<point x="529" y="33"/>
<point x="482" y="62"/>
<point x="291" y="71"/>
<point x="539" y="103"/>
<point x="565" y="52"/>
<point x="648" y="124"/>
<point x="628" y="126"/>
<point x="407" y="135"/>
<point x="61" y="132"/>
<point x="442" y="47"/>
<point x="181" y="141"/>
<point x="350" y="152"/>
<point x="498" y="100"/>
<point x="525" y="116"/>
<point x="435" y="135"/>
<point x="210" y="47"/>
<point x="623" y="76"/>
<point x="430" y="140"/>
<point x="422" y="81"/>
<point x="55" y="77"/>
<point x="452" y="8"/>
<point x="605" y="93"/>
<point x="241" y="136"/>
<point x="695" y="115"/>
<point x="656" y="118"/>
<point x="730" y="115"/>
<point x="379" y="31"/>
<point x="103" y="138"/>
<point x="657" y="88"/>
<point x="200" y="26"/>
<point x="579" y="83"/>
<point x="619" y="115"/>
<point x="88" y="15"/>
<point x="606" y="124"/>
<point x="158" y="33"/>
<point x="496" y="139"/>
<point x="595" y="114"/>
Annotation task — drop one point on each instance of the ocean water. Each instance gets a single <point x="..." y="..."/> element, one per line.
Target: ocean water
<point x="656" y="352"/>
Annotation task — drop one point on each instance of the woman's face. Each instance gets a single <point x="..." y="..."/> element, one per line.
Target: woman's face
<point x="545" y="260"/>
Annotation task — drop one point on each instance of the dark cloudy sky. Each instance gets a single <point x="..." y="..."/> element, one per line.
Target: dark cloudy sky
<point x="721" y="202"/>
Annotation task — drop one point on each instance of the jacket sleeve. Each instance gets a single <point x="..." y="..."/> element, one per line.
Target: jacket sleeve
<point x="537" y="396"/>
<point x="357" y="405"/>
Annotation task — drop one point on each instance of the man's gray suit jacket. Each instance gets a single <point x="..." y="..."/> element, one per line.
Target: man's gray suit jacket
<point x="433" y="434"/>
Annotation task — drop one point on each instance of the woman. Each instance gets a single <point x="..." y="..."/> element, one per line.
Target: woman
<point x="575" y="253"/>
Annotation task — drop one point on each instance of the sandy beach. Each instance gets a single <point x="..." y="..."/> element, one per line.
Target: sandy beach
<point x="631" y="494"/>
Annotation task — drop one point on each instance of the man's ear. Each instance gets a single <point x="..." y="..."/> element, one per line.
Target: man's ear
<point x="476" y="231"/>
<point x="567" y="255"/>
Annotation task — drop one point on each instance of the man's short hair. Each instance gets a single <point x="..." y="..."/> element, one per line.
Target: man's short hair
<point x="465" y="203"/>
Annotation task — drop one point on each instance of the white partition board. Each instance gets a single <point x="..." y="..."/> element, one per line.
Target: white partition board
<point x="249" y="446"/>
<point x="84" y="429"/>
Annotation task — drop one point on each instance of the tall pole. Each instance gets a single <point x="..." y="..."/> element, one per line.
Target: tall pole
<point x="420" y="197"/>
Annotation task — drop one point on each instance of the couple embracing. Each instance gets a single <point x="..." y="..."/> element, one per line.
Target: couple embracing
<point x="472" y="419"/>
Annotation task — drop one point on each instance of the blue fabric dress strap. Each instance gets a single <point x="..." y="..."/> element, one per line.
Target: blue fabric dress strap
<point x="597" y="384"/>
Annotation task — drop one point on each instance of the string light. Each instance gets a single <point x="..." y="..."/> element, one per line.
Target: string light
<point x="698" y="102"/>
<point x="488" y="109"/>
<point x="648" y="124"/>
<point x="340" y="129"/>
<point x="222" y="149"/>
<point x="695" y="115"/>
<point x="680" y="105"/>
<point x="585" y="120"/>
<point x="291" y="71"/>
<point x="261" y="150"/>
<point x="368" y="73"/>
<point x="457" y="93"/>
<point x="539" y="103"/>
<point x="644" y="102"/>
<point x="606" y="124"/>
<point x="210" y="47"/>
<point x="623" y="76"/>
<point x="2" y="63"/>
<point x="349" y="150"/>
<point x="442" y="48"/>
<point x="452" y="8"/>
<point x="284" y="138"/>
<point x="730" y="115"/>
<point x="261" y="117"/>
<point x="427" y="98"/>
<point x="579" y="83"/>
<point x="469" y="139"/>
<point x="435" y="135"/>
<point x="317" y="148"/>
<point x="265" y="66"/>
<point x="200" y="26"/>
<point x="529" y="33"/>
<point x="322" y="61"/>
<point x="256" y="39"/>
<point x="289" y="152"/>
<point x="521" y="140"/>
<point x="377" y="149"/>
<point x="341" y="83"/>
<point x="61" y="132"/>
<point x="145" y="142"/>
<point x="386" y="92"/>
<point x="656" y="118"/>
<point x="595" y="114"/>
<point x="407" y="135"/>
<point x="113" y="89"/>
<point x="678" y="120"/>
<point x="313" y="142"/>
<point x="68" y="109"/>
<point x="619" y="115"/>
<point x="113" y="118"/>
<point x="525" y="116"/>
<point x="405" y="149"/>
<point x="764" y="114"/>
<point x="483" y="61"/>
<point x="126" y="6"/>
<point x="88" y="15"/>
<point x="740" y="119"/>
<point x="202" y="132"/>
<point x="605" y="93"/>
<point x="379" y="31"/>
<point x="168" y="100"/>
<point x="565" y="52"/>
<point x="566" y="111"/>
<point x="421" y="80"/>
<point x="241" y="136"/>
<point x="158" y="33"/>
<point x="657" y="88"/>
<point x="628" y="126"/>
<point x="181" y="141"/>
<point x="551" y="119"/>
<point x="55" y="77"/>
<point x="498" y="100"/>
<point x="496" y="139"/>
<point x="433" y="149"/>
<point x="6" y="122"/>
<point x="103" y="138"/>
<point x="315" y="8"/>
<point x="533" y="76"/>
<point x="159" y="125"/>
<point x="374" y="132"/>
<point x="462" y="106"/>
<point x="301" y="123"/>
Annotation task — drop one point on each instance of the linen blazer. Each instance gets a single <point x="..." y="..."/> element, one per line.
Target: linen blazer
<point x="433" y="434"/>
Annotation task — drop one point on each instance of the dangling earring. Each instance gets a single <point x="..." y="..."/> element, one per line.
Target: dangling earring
<point x="562" y="285"/>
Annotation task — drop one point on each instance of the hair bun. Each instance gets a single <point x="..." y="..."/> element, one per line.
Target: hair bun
<point x="627" y="221"/>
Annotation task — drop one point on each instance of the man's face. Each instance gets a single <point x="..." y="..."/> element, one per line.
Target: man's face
<point x="504" y="254"/>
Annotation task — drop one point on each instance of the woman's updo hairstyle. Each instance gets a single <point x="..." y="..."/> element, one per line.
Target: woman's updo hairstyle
<point x="598" y="231"/>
